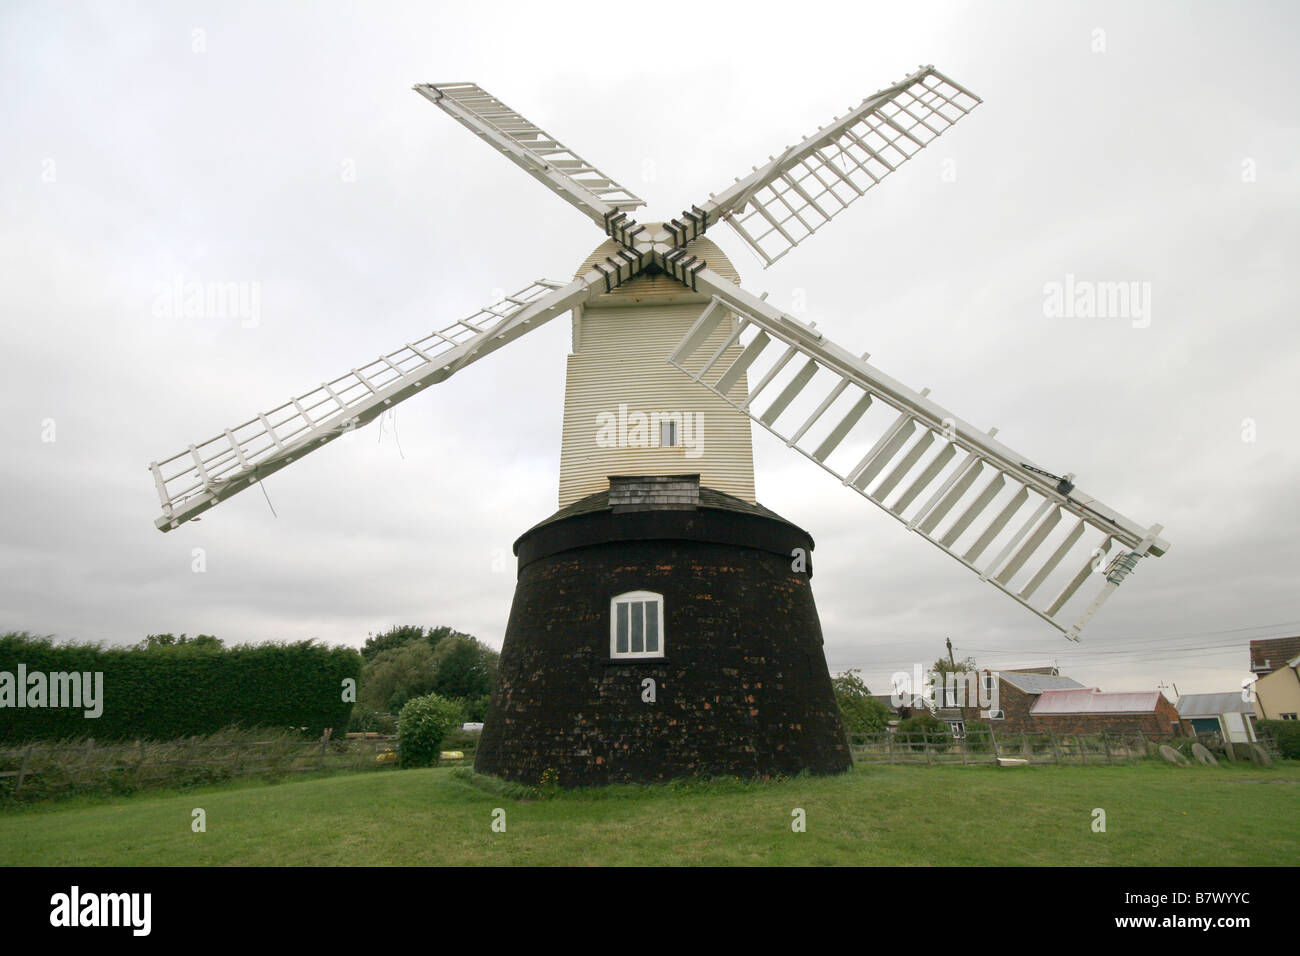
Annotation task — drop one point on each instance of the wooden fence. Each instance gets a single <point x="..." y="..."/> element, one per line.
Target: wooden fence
<point x="140" y="764"/>
<point x="986" y="746"/>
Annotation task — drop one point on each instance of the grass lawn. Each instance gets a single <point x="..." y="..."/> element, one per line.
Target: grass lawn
<point x="876" y="815"/>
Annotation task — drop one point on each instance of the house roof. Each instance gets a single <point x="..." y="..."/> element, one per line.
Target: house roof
<point x="1037" y="683"/>
<point x="1089" y="700"/>
<point x="1272" y="653"/>
<point x="1211" y="705"/>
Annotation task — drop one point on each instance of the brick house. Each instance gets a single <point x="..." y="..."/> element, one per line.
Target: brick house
<point x="1037" y="701"/>
<point x="1017" y="692"/>
<point x="1090" y="711"/>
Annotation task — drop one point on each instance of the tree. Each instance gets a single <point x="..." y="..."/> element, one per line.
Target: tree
<point x="408" y="661"/>
<point x="402" y="634"/>
<point x="862" y="713"/>
<point x="942" y="668"/>
<point x="464" y="667"/>
<point x="390" y="639"/>
<point x="396" y="675"/>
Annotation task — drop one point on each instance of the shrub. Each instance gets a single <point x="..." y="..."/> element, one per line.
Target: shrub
<point x="978" y="739"/>
<point x="917" y="728"/>
<point x="421" y="727"/>
<point x="1284" y="733"/>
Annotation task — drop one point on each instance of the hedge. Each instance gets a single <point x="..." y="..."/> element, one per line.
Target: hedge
<point x="1285" y="733"/>
<point x="153" y="695"/>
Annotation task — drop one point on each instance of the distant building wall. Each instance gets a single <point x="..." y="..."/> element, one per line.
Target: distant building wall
<point x="1278" y="693"/>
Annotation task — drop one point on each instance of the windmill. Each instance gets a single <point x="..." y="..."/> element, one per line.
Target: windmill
<point x="672" y="361"/>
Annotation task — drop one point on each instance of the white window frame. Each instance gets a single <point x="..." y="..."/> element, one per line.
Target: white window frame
<point x="634" y="597"/>
<point x="672" y="430"/>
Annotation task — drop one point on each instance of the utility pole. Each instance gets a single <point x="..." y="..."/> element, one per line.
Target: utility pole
<point x="950" y="660"/>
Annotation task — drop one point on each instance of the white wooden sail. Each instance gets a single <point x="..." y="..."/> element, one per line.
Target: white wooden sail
<point x="1032" y="534"/>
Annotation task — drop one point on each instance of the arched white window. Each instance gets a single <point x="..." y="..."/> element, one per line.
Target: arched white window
<point x="636" y="625"/>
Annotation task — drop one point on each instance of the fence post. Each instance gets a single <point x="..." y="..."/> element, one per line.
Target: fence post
<point x="22" y="771"/>
<point x="889" y="741"/>
<point x="963" y="749"/>
<point x="1105" y="742"/>
<point x="925" y="744"/>
<point x="994" y="741"/>
<point x="1055" y="747"/>
<point x="139" y="764"/>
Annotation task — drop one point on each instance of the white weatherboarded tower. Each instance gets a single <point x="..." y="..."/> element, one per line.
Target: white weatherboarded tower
<point x="672" y="360"/>
<point x="627" y="411"/>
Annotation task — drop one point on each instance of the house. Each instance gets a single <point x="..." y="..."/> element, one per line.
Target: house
<point x="1090" y="711"/>
<point x="1012" y="696"/>
<point x="1224" y="714"/>
<point x="1275" y="663"/>
<point x="1039" y="700"/>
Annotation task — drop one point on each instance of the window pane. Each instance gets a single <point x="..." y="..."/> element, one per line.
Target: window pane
<point x="652" y="626"/>
<point x="638" y="628"/>
<point x="621" y="632"/>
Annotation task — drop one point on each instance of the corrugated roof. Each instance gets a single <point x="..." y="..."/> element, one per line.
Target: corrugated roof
<point x="1268" y="655"/>
<point x="1092" y="701"/>
<point x="1037" y="683"/>
<point x="1211" y="705"/>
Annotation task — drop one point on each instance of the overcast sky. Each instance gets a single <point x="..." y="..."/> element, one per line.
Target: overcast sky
<point x="280" y="145"/>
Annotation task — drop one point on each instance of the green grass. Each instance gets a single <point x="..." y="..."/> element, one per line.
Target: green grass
<point x="876" y="815"/>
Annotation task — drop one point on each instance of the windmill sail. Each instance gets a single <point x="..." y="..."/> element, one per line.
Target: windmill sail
<point x="1029" y="533"/>
<point x="202" y="475"/>
<point x="784" y="202"/>
<point x="534" y="150"/>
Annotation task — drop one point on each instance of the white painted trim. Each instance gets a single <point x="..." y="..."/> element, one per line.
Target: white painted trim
<point x="632" y="597"/>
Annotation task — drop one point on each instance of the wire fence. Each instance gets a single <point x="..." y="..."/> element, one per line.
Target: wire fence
<point x="987" y="746"/>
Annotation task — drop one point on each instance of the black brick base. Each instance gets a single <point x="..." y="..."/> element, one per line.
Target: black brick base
<point x="742" y="691"/>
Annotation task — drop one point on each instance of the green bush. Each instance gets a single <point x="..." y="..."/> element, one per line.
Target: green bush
<point x="917" y="728"/>
<point x="977" y="737"/>
<point x="421" y="727"/>
<point x="1284" y="733"/>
